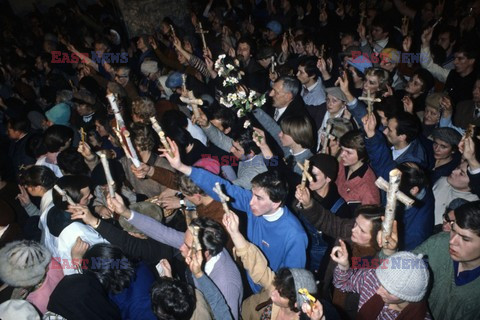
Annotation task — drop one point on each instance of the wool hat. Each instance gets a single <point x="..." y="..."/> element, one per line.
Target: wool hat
<point x="404" y="275"/>
<point x="340" y="126"/>
<point x="275" y="26"/>
<point x="146" y="208"/>
<point x="18" y="309"/>
<point x="337" y="93"/>
<point x="303" y="279"/>
<point x="23" y="263"/>
<point x="149" y="66"/>
<point x="174" y="80"/>
<point x="59" y="114"/>
<point x="325" y="163"/>
<point x="448" y="135"/>
<point x="434" y="99"/>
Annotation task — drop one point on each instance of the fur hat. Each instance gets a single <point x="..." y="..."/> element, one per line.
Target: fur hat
<point x="340" y="126"/>
<point x="23" y="263"/>
<point x="406" y="276"/>
<point x="303" y="279"/>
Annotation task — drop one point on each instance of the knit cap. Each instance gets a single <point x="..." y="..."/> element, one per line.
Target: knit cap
<point x="23" y="263"/>
<point x="404" y="275"/>
<point x="59" y="114"/>
<point x="303" y="279"/>
<point x="448" y="135"/>
<point x="325" y="163"/>
<point x="18" y="309"/>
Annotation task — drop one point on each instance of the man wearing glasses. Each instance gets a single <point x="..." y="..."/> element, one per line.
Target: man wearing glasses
<point x="122" y="77"/>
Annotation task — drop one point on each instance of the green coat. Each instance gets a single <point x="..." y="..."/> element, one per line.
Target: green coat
<point x="447" y="300"/>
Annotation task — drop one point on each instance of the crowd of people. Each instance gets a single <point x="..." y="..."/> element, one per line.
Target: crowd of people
<point x="227" y="165"/>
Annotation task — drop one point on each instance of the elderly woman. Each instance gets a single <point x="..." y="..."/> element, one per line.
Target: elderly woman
<point x="356" y="180"/>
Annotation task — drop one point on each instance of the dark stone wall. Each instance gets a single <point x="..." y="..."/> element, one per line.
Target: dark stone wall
<point x="141" y="16"/>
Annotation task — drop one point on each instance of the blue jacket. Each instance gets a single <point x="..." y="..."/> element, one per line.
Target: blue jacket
<point x="381" y="159"/>
<point x="417" y="221"/>
<point x="134" y="302"/>
<point x="284" y="241"/>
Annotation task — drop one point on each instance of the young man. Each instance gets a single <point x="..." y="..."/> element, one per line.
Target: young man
<point x="313" y="91"/>
<point x="454" y="259"/>
<point x="401" y="132"/>
<point x="271" y="225"/>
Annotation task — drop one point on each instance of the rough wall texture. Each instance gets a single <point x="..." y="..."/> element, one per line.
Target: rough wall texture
<point x="143" y="15"/>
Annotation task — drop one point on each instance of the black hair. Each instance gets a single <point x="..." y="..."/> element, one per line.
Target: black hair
<point x="310" y="66"/>
<point x="38" y="176"/>
<point x="245" y="139"/>
<point x="174" y="118"/>
<point x="273" y="183"/>
<point x="407" y="124"/>
<point x="426" y="77"/>
<point x="250" y="43"/>
<point x="467" y="216"/>
<point x="70" y="161"/>
<point x="383" y="22"/>
<point x="72" y="185"/>
<point x="285" y="285"/>
<point x="173" y="299"/>
<point x="212" y="236"/>
<point x="390" y="106"/>
<point x="36" y="146"/>
<point x="470" y="50"/>
<point x="412" y="176"/>
<point x="110" y="266"/>
<point x="56" y="136"/>
<point x="19" y="124"/>
<point x="225" y="116"/>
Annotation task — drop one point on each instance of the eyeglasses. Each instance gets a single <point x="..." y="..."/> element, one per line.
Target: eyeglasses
<point x="121" y="76"/>
<point x="447" y="219"/>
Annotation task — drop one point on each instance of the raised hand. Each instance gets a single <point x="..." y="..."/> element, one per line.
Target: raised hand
<point x="79" y="248"/>
<point x="201" y="120"/>
<point x="315" y="312"/>
<point x="194" y="262"/>
<point x="81" y="212"/>
<point x="391" y="241"/>
<point x="303" y="196"/>
<point x="259" y="137"/>
<point x="340" y="256"/>
<point x="369" y="124"/>
<point x="407" y="104"/>
<point x="117" y="205"/>
<point x="426" y="37"/>
<point x="467" y="148"/>
<point x="23" y="196"/>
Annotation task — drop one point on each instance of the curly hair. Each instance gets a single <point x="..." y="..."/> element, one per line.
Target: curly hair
<point x="144" y="109"/>
<point x="285" y="285"/>
<point x="172" y="299"/>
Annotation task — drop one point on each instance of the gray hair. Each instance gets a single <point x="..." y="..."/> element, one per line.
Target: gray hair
<point x="290" y="85"/>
